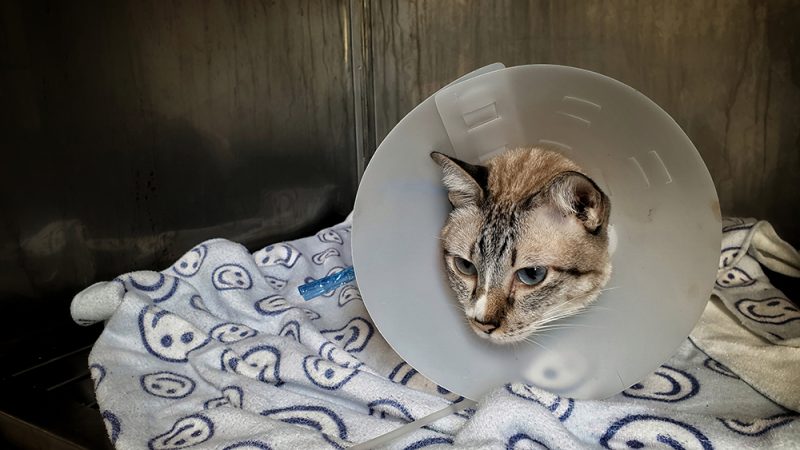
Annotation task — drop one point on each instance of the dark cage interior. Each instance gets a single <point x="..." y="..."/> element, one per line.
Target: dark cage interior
<point x="132" y="130"/>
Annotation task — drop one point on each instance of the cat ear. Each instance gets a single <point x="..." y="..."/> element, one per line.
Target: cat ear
<point x="465" y="182"/>
<point x="576" y="194"/>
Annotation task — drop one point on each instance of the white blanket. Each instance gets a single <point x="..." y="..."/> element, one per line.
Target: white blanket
<point x="220" y="351"/>
<point x="751" y="326"/>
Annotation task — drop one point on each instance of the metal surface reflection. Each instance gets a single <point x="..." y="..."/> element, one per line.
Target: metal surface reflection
<point x="128" y="134"/>
<point x="149" y="130"/>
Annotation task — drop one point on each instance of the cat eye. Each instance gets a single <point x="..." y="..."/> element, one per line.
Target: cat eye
<point x="532" y="275"/>
<point x="465" y="267"/>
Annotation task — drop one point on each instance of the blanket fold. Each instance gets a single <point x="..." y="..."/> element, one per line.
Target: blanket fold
<point x="750" y="326"/>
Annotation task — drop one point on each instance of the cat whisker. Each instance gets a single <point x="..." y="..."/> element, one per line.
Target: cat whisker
<point x="610" y="288"/>
<point x="567" y="302"/>
<point x="560" y="314"/>
<point x="551" y="322"/>
<point x="561" y="310"/>
<point x="564" y="314"/>
<point x="600" y="307"/>
<point x="532" y="341"/>
<point x="595" y="293"/>
<point x="564" y="325"/>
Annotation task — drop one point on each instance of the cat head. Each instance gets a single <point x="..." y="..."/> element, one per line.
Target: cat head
<point x="526" y="242"/>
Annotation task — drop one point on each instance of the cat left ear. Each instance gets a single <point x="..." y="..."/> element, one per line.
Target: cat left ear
<point x="466" y="183"/>
<point x="576" y="194"/>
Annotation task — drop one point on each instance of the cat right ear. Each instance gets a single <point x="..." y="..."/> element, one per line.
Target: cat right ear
<point x="465" y="183"/>
<point x="576" y="194"/>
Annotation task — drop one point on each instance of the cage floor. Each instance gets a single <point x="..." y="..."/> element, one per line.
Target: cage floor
<point x="46" y="394"/>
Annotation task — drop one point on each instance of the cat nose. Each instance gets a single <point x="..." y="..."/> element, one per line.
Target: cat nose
<point x="486" y="327"/>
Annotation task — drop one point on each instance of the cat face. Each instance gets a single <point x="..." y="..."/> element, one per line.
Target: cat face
<point x="526" y="242"/>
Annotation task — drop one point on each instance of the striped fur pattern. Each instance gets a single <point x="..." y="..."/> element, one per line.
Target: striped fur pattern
<point x="528" y="211"/>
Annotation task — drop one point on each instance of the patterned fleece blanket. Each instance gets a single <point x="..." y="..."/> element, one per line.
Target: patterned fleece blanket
<point x="220" y="351"/>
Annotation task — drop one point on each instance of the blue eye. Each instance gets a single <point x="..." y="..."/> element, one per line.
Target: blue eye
<point x="465" y="267"/>
<point x="532" y="275"/>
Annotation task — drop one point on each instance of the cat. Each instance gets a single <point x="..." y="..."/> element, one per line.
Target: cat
<point x="526" y="242"/>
